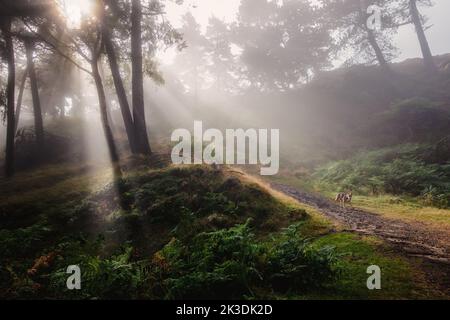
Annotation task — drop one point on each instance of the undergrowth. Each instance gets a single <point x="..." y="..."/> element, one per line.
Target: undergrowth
<point x="171" y="233"/>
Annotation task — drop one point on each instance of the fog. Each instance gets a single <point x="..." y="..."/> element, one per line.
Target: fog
<point x="231" y="69"/>
<point x="405" y="38"/>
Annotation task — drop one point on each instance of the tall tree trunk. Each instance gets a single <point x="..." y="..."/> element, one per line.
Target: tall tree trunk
<point x="424" y="46"/>
<point x="104" y="117"/>
<point x="20" y="99"/>
<point x="143" y="146"/>
<point x="378" y="52"/>
<point x="108" y="95"/>
<point x="38" y="122"/>
<point x="10" y="130"/>
<point x="372" y="38"/>
<point x="120" y="90"/>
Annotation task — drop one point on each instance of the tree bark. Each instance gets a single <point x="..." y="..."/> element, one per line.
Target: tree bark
<point x="424" y="46"/>
<point x="20" y="99"/>
<point x="143" y="146"/>
<point x="104" y="118"/>
<point x="108" y="95"/>
<point x="10" y="126"/>
<point x="372" y="39"/>
<point x="120" y="91"/>
<point x="38" y="122"/>
<point x="378" y="52"/>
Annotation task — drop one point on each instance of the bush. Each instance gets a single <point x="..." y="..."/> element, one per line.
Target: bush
<point x="219" y="264"/>
<point x="23" y="241"/>
<point x="115" y="277"/>
<point x="411" y="120"/>
<point x="207" y="258"/>
<point x="435" y="197"/>
<point x="232" y="264"/>
<point x="295" y="266"/>
<point x="398" y="171"/>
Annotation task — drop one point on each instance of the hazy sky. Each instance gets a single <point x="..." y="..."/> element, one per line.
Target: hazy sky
<point x="438" y="34"/>
<point x="204" y="9"/>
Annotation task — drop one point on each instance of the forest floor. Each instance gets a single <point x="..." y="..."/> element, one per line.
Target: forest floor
<point x="73" y="212"/>
<point x="428" y="248"/>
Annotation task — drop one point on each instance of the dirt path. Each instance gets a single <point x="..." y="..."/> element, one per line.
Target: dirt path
<point x="413" y="240"/>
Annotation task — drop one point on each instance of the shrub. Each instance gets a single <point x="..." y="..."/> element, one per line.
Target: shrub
<point x="219" y="264"/>
<point x="231" y="263"/>
<point x="293" y="265"/>
<point x="23" y="241"/>
<point x="115" y="277"/>
<point x="398" y="171"/>
<point x="433" y="196"/>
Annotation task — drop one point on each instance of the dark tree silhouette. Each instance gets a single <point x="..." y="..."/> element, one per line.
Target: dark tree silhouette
<point x="5" y="25"/>
<point x="424" y="46"/>
<point x="38" y="122"/>
<point x="283" y="44"/>
<point x="120" y="88"/>
<point x="142" y="144"/>
<point x="20" y="97"/>
<point x="348" y="18"/>
<point x="104" y="114"/>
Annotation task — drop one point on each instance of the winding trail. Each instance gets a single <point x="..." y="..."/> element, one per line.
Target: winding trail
<point x="411" y="239"/>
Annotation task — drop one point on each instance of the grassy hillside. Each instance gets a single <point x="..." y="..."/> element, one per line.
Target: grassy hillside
<point x="409" y="170"/>
<point x="387" y="138"/>
<point x="180" y="232"/>
<point x="166" y="232"/>
<point x="347" y="110"/>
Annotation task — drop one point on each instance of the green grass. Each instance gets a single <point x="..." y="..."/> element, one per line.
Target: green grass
<point x="52" y="212"/>
<point x="399" y="280"/>
<point x="403" y="208"/>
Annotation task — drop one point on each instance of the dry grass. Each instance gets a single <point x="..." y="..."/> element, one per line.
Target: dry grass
<point x="404" y="210"/>
<point x="386" y="205"/>
<point x="318" y="223"/>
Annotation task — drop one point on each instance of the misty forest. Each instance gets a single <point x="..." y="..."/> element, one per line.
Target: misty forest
<point x="92" y="90"/>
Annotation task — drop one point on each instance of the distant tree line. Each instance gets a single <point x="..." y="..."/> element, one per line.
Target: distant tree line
<point x="279" y="45"/>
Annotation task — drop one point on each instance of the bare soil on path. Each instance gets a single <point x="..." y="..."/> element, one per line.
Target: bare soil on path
<point x="415" y="240"/>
